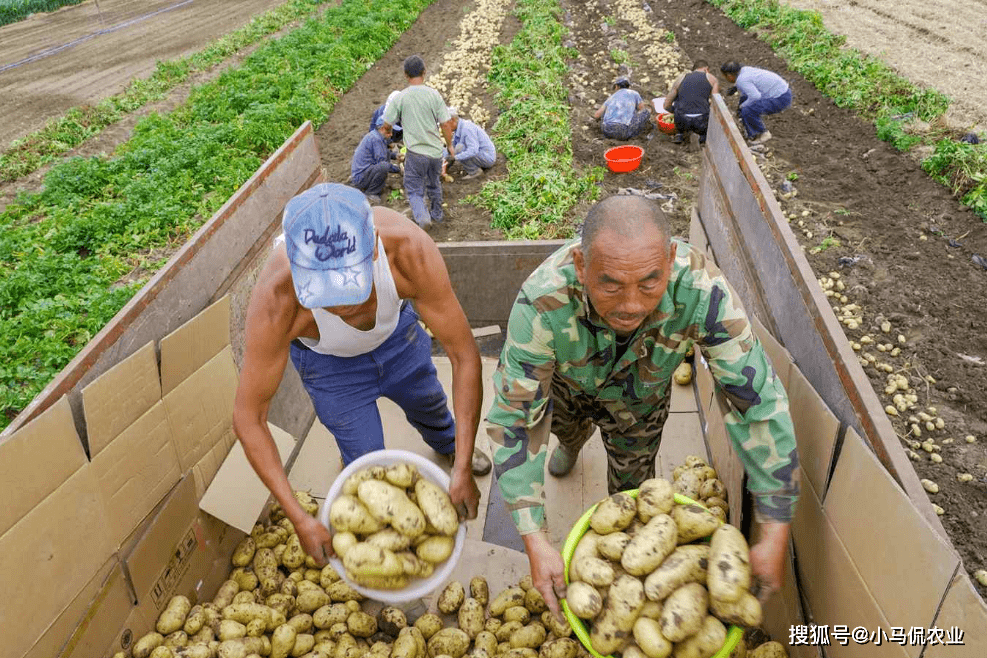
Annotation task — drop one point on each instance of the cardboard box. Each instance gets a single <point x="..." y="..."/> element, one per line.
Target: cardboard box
<point x="962" y="609"/>
<point x="815" y="430"/>
<point x="725" y="460"/>
<point x="780" y="359"/>
<point x="193" y="344"/>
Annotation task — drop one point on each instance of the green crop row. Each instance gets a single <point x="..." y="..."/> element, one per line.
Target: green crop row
<point x="64" y="133"/>
<point x="533" y="130"/>
<point x="867" y="86"/>
<point x="73" y="254"/>
<point x="12" y="11"/>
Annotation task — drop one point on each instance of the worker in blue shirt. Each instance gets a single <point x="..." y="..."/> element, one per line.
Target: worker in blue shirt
<point x="761" y="92"/>
<point x="373" y="161"/>
<point x="475" y="151"/>
<point x="625" y="114"/>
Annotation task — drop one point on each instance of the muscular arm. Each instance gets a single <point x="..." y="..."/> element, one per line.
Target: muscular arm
<point x="599" y="112"/>
<point x="447" y="133"/>
<point x="714" y="83"/>
<point x="672" y="93"/>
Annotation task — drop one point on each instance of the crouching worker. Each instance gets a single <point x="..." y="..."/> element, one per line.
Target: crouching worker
<point x="688" y="100"/>
<point x="475" y="151"/>
<point x="333" y="297"/>
<point x="373" y="161"/>
<point x="625" y="114"/>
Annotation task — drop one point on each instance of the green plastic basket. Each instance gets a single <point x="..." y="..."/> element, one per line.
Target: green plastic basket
<point x="734" y="633"/>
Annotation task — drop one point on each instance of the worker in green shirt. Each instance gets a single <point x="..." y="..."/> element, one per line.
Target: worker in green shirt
<point x="593" y="339"/>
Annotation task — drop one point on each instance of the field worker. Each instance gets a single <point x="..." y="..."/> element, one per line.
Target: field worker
<point x="379" y="112"/>
<point x="422" y="113"/>
<point x="625" y="114"/>
<point x="688" y="100"/>
<point x="475" y="151"/>
<point x="593" y="339"/>
<point x="761" y="92"/>
<point x="333" y="297"/>
<point x="373" y="161"/>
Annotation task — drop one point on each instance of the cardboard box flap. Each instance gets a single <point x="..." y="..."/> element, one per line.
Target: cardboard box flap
<point x="236" y="495"/>
<point x="49" y="557"/>
<point x="200" y="409"/>
<point x="815" y="429"/>
<point x="962" y="609"/>
<point x="780" y="359"/>
<point x="189" y="347"/>
<point x="136" y="471"/>
<point x="37" y="459"/>
<point x="121" y="395"/>
<point x="865" y="504"/>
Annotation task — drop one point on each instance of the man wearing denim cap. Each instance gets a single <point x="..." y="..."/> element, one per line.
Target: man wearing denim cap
<point x="332" y="297"/>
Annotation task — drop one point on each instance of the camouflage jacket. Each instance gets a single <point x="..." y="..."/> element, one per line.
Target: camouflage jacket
<point x="553" y="330"/>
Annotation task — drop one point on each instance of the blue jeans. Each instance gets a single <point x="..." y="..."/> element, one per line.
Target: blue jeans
<point x="373" y="179"/>
<point x="751" y="111"/>
<point x="344" y="390"/>
<point x="421" y="176"/>
<point x="627" y="131"/>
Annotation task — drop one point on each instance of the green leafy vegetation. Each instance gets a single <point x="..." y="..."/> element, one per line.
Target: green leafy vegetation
<point x="80" y="123"/>
<point x="73" y="254"/>
<point x="868" y="86"/>
<point x="533" y="131"/>
<point x="12" y="11"/>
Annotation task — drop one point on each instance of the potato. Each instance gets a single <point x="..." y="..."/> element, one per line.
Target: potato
<point x="435" y="549"/>
<point x="195" y="620"/>
<point x="470" y="617"/>
<point x="230" y="630"/>
<point x="739" y="651"/>
<point x="391" y="620"/>
<point x="718" y="513"/>
<point x="240" y="647"/>
<point x="244" y="552"/>
<point x="651" y="609"/>
<point x="650" y="546"/>
<point x="282" y="603"/>
<point x="557" y="628"/>
<point x="451" y="597"/>
<point x="452" y="642"/>
<point x="352" y="483"/>
<point x="686" y="564"/>
<point x="144" y="646"/>
<point x="162" y="652"/>
<point x="586" y="547"/>
<point x="247" y="612"/>
<point x="173" y="617"/>
<point x="612" y="546"/>
<point x="683" y="612"/>
<point x="486" y="641"/>
<point x="613" y="514"/>
<point x="654" y="497"/>
<point x="342" y="542"/>
<point x="517" y="613"/>
<point x="688" y="484"/>
<point x="340" y="591"/>
<point x="256" y="628"/>
<point x="633" y="651"/>
<point x="584" y="600"/>
<point x="625" y="598"/>
<point x="204" y="636"/>
<point x="729" y="565"/>
<point x="348" y="514"/>
<point x="414" y="566"/>
<point x="562" y="647"/>
<point x="683" y="374"/>
<point x="390" y="504"/>
<point x="428" y="624"/>
<point x="405" y="646"/>
<point x="245" y="597"/>
<point x="437" y="507"/>
<point x="304" y="642"/>
<point x="192" y="651"/>
<point x="506" y="630"/>
<point x="693" y="523"/>
<point x="745" y="611"/>
<point x="692" y="461"/>
<point x="534" y="602"/>
<point x="311" y="600"/>
<point x="479" y="590"/>
<point x="492" y="624"/>
<point x="769" y="650"/>
<point x="363" y="559"/>
<point x="595" y="571"/>
<point x="712" y="488"/>
<point x="328" y="576"/>
<point x="509" y="597"/>
<point x="706" y="641"/>
<point x="647" y="634"/>
<point x="294" y="554"/>
<point x="390" y="539"/>
<point x="264" y="563"/>
<point x="328" y="615"/>
<point x="531" y="636"/>
<point x="360" y="624"/>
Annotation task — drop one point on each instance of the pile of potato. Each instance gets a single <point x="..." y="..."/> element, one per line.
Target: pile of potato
<point x="697" y="480"/>
<point x="647" y="588"/>
<point x="392" y="524"/>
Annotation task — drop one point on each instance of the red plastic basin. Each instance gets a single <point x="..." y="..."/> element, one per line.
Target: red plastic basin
<point x="624" y="158"/>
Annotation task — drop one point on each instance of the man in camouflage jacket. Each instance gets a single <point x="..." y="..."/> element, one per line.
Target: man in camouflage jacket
<point x="593" y="339"/>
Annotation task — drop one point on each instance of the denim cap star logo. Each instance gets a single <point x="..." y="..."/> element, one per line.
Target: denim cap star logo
<point x="329" y="237"/>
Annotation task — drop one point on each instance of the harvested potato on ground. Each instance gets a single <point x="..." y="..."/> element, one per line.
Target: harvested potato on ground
<point x="428" y="624"/>
<point x="625" y="599"/>
<point x="486" y="641"/>
<point x="769" y="650"/>
<point x="612" y="546"/>
<point x="517" y="613"/>
<point x="613" y="514"/>
<point x="247" y="612"/>
<point x="717" y="501"/>
<point x="479" y="590"/>
<point x="195" y="620"/>
<point x="309" y="504"/>
<point x="451" y="597"/>
<point x="712" y="488"/>
<point x="745" y="611"/>
<point x="526" y="582"/>
<point x="162" y="652"/>
<point x="705" y="642"/>
<point x="311" y="600"/>
<point x="348" y="514"/>
<point x="651" y="609"/>
<point x="655" y="496"/>
<point x="531" y="636"/>
<point x="244" y="552"/>
<point x="144" y="646"/>
<point x="506" y="630"/>
<point x="693" y="522"/>
<point x="304" y="642"/>
<point x="729" y="565"/>
<point x="241" y="647"/>
<point x="470" y="617"/>
<point x="328" y="615"/>
<point x="492" y="624"/>
<point x="173" y="617"/>
<point x="405" y="646"/>
<point x="534" y="602"/>
<point x="245" y="597"/>
<point x="230" y="630"/>
<point x="557" y="628"/>
<point x="294" y="555"/>
<point x="389" y="504"/>
<point x="435" y="549"/>
<point x="686" y="564"/>
<point x="452" y="642"/>
<point x="648" y="636"/>
<point x="360" y="624"/>
<point x="340" y="591"/>
<point x="595" y="571"/>
<point x="391" y="620"/>
<point x="584" y="600"/>
<point x="683" y="612"/>
<point x="509" y="597"/>
<point x="718" y="513"/>
<point x="328" y="576"/>
<point x="650" y="546"/>
<point x="560" y="647"/>
<point x="437" y="507"/>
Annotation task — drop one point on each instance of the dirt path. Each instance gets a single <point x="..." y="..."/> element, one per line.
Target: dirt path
<point x="935" y="44"/>
<point x="114" y="41"/>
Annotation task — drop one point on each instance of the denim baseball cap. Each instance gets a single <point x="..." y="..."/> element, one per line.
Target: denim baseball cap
<point x="329" y="235"/>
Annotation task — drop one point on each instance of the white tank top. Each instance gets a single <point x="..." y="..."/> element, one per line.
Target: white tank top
<point x="340" y="339"/>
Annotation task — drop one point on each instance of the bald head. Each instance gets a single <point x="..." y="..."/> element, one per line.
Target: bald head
<point x="630" y="217"/>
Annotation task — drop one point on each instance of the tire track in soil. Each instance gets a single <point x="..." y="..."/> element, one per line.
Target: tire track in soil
<point x="878" y="204"/>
